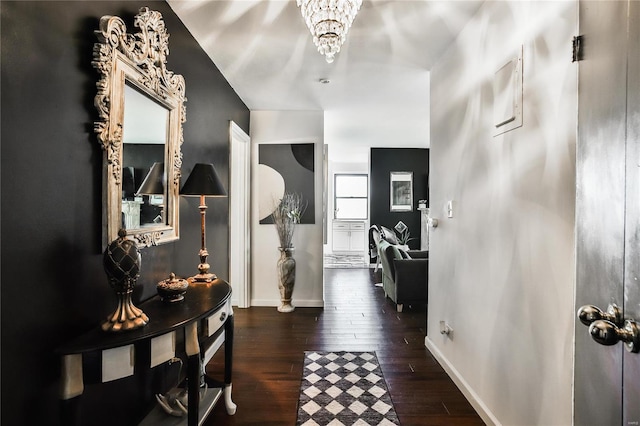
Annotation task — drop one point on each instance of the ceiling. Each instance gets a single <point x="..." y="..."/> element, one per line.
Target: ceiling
<point x="378" y="93"/>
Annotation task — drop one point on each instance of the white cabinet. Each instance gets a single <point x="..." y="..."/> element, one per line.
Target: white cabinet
<point x="348" y="236"/>
<point x="341" y="237"/>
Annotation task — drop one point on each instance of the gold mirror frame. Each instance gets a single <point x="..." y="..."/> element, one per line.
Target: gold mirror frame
<point x="140" y="61"/>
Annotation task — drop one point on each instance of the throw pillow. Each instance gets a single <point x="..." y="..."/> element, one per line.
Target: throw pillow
<point x="388" y="235"/>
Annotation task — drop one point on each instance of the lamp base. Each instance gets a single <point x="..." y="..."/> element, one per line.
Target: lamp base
<point x="202" y="278"/>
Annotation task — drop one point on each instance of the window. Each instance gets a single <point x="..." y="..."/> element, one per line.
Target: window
<point x="351" y="196"/>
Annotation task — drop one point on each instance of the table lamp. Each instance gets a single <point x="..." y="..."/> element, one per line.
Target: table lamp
<point x="203" y="182"/>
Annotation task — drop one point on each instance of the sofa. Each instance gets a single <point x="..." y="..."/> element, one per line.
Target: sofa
<point x="405" y="274"/>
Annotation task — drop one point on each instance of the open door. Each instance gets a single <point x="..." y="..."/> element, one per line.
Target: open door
<point x="607" y="371"/>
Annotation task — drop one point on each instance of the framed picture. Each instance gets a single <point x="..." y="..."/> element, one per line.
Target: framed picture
<point x="282" y="168"/>
<point x="401" y="191"/>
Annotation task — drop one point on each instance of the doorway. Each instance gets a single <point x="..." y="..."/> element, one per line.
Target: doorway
<point x="346" y="211"/>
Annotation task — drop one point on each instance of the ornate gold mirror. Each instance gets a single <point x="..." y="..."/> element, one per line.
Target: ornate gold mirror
<point x="141" y="110"/>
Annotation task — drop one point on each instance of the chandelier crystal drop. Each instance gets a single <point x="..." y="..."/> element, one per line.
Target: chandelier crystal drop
<point x="329" y="21"/>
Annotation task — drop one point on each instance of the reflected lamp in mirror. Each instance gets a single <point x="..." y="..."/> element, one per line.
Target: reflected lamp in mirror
<point x="203" y="181"/>
<point x="153" y="186"/>
<point x="153" y="183"/>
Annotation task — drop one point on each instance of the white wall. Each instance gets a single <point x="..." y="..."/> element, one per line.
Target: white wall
<point x="502" y="270"/>
<point x="273" y="127"/>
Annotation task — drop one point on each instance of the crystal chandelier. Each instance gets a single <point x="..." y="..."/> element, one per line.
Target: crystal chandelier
<point x="329" y="21"/>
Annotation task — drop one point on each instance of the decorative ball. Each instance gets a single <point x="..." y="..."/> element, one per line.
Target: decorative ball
<point x="122" y="259"/>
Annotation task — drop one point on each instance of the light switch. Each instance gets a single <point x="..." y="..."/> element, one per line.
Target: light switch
<point x="450" y="209"/>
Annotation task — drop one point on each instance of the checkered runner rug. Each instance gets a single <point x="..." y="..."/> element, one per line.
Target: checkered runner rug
<point x="344" y="388"/>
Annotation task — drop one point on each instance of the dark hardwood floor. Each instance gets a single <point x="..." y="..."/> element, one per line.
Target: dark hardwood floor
<point x="269" y="348"/>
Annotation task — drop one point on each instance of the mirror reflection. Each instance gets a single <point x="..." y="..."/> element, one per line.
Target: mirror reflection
<point x="144" y="138"/>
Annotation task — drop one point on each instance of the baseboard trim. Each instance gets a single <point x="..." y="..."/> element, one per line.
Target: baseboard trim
<point x="477" y="404"/>
<point x="297" y="303"/>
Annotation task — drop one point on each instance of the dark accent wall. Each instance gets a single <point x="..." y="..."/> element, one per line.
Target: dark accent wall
<point x="53" y="286"/>
<point x="383" y="161"/>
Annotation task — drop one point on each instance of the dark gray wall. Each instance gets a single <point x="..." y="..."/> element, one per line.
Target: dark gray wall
<point x="387" y="160"/>
<point x="53" y="286"/>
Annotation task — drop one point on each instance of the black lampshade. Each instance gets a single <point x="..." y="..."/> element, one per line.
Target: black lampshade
<point x="153" y="183"/>
<point x="203" y="180"/>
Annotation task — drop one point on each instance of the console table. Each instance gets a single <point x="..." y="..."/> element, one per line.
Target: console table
<point x="206" y="317"/>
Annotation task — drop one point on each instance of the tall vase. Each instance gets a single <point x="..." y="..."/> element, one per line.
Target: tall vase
<point x="286" y="278"/>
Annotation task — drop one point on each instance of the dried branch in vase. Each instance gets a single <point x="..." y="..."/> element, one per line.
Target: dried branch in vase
<point x="287" y="214"/>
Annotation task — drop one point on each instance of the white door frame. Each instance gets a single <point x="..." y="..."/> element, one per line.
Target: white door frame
<point x="239" y="215"/>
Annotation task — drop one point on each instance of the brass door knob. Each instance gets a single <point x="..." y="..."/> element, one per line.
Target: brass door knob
<point x="608" y="334"/>
<point x="590" y="313"/>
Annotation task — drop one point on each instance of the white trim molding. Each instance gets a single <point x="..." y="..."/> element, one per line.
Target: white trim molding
<point x="482" y="410"/>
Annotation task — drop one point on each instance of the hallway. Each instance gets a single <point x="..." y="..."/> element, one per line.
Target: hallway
<point x="269" y="347"/>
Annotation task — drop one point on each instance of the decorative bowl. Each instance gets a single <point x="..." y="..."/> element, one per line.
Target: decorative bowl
<point x="172" y="289"/>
